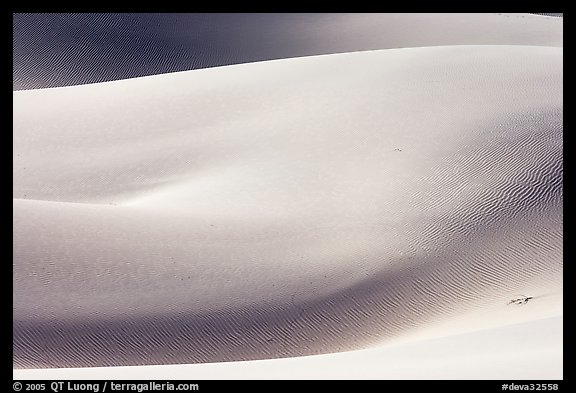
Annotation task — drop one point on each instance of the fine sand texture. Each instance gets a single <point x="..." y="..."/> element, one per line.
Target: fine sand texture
<point x="525" y="351"/>
<point x="404" y="204"/>
<point x="69" y="49"/>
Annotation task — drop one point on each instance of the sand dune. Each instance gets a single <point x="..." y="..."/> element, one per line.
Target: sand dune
<point x="525" y="351"/>
<point x="287" y="208"/>
<point x="69" y="49"/>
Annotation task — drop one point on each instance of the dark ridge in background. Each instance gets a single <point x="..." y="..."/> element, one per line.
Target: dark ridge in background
<point x="53" y="50"/>
<point x="59" y="49"/>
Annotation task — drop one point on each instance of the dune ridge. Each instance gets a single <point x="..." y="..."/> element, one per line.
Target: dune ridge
<point x="286" y="208"/>
<point x="52" y="50"/>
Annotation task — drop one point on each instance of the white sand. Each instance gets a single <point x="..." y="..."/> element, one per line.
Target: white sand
<point x="377" y="199"/>
<point x="528" y="351"/>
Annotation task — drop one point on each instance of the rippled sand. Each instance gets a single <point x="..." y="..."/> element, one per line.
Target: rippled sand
<point x="294" y="207"/>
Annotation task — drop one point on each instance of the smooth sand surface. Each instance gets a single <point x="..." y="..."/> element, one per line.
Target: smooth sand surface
<point x="393" y="201"/>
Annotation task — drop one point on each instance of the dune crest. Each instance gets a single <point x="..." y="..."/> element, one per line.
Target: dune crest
<point x="52" y="50"/>
<point x="286" y="208"/>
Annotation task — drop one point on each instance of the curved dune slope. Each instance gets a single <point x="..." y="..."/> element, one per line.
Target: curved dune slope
<point x="286" y="208"/>
<point x="529" y="351"/>
<point x="69" y="49"/>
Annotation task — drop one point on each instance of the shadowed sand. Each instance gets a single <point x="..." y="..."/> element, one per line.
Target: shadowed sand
<point x="287" y="208"/>
<point x="69" y="49"/>
<point x="523" y="351"/>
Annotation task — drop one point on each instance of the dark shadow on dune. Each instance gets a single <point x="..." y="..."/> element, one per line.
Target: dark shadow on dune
<point x="51" y="50"/>
<point x="379" y="308"/>
<point x="557" y="14"/>
<point x="70" y="49"/>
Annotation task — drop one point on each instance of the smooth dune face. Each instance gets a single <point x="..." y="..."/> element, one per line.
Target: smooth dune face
<point x="69" y="49"/>
<point x="287" y="208"/>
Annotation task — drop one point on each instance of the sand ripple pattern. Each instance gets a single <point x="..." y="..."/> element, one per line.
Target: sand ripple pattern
<point x="287" y="208"/>
<point x="63" y="49"/>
